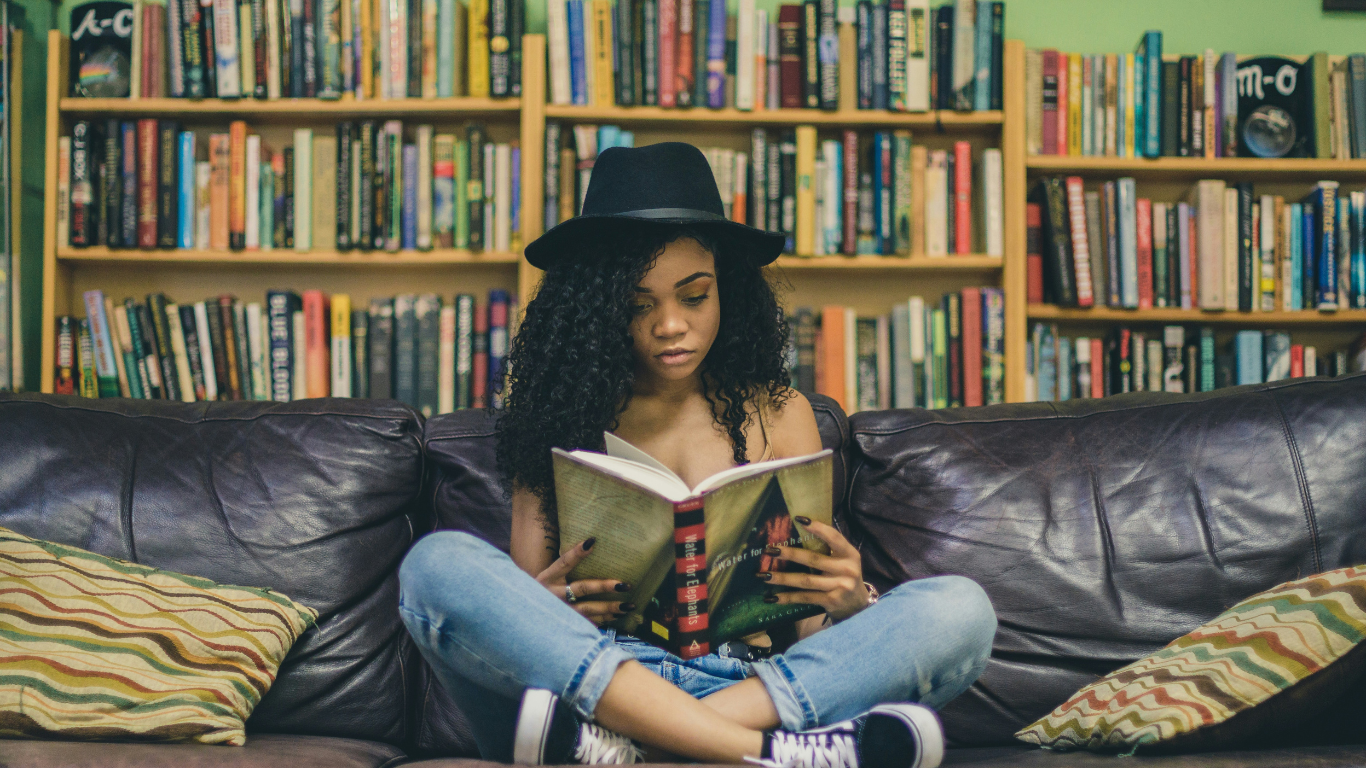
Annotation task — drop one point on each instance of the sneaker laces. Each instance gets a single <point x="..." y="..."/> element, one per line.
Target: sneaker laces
<point x="599" y="746"/>
<point x="809" y="750"/>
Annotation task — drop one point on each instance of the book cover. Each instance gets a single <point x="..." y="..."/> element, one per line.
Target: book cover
<point x="280" y="309"/>
<point x="360" y="352"/>
<point x="427" y="315"/>
<point x="972" y="342"/>
<point x="381" y="339"/>
<point x="148" y="180"/>
<point x="405" y="349"/>
<point x="317" y="344"/>
<point x="1143" y="252"/>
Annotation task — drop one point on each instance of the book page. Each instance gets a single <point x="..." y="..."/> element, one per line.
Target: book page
<point x="621" y="449"/>
<point x="664" y="483"/>
<point x="634" y="530"/>
<point x="750" y="470"/>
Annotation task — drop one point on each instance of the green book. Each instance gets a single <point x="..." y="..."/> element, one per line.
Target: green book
<point x="901" y="197"/>
<point x="941" y="358"/>
<point x="462" y="197"/>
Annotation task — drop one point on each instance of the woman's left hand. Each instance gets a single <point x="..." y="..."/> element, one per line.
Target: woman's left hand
<point x="838" y="584"/>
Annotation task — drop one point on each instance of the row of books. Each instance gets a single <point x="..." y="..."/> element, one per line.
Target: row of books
<point x="856" y="194"/>
<point x="1145" y="104"/>
<point x="1171" y="359"/>
<point x="369" y="186"/>
<point x="921" y="354"/>
<point x="693" y="53"/>
<point x="1225" y="247"/>
<point x="420" y="349"/>
<point x="271" y="49"/>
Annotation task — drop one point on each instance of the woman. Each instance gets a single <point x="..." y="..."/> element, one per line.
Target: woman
<point x="654" y="321"/>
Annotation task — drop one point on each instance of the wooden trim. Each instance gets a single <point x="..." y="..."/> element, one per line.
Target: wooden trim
<point x="1176" y="167"/>
<point x="16" y="175"/>
<point x="1052" y="313"/>
<point x="949" y="264"/>
<point x="55" y="277"/>
<point x="283" y="257"/>
<point x="1013" y="278"/>
<point x="291" y="110"/>
<point x="730" y="116"/>
<point x="533" y="159"/>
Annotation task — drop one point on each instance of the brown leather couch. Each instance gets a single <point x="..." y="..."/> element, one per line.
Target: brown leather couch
<point x="1101" y="529"/>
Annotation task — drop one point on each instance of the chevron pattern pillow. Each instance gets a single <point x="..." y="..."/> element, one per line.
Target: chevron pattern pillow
<point x="1275" y="655"/>
<point x="97" y="648"/>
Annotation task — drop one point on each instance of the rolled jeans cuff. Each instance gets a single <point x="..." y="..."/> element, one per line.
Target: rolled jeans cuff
<point x="592" y="676"/>
<point x="794" y="706"/>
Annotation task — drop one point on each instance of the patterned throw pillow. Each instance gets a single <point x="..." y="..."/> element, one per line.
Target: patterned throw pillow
<point x="97" y="648"/>
<point x="1238" y="678"/>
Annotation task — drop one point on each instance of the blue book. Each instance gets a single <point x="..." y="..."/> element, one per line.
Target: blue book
<point x="1310" y="294"/>
<point x="1044" y="337"/>
<point x="1358" y="263"/>
<point x="834" y="167"/>
<point x="1247" y="352"/>
<point x="445" y="48"/>
<point x="187" y="207"/>
<point x="578" y="75"/>
<point x="515" y="204"/>
<point x="280" y="309"/>
<point x="409" y="197"/>
<point x="626" y="139"/>
<point x="1206" y="383"/>
<point x="129" y="206"/>
<point x="981" y="59"/>
<point x="1296" y="256"/>
<point x="1325" y="244"/>
<point x="1139" y="94"/>
<point x="864" y="46"/>
<point x="1120" y="91"/>
<point x="1150" y="46"/>
<point x="875" y="149"/>
<point x="405" y="349"/>
<point x="1065" y="372"/>
<point x="716" y="54"/>
<point x="608" y="136"/>
<point x="498" y="342"/>
<point x="1128" y="242"/>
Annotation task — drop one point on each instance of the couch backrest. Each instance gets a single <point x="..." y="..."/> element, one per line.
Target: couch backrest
<point x="1104" y="529"/>
<point x="467" y="495"/>
<point x="317" y="499"/>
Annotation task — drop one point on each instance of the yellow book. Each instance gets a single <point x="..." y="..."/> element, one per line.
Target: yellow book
<point x="806" y="193"/>
<point x="602" y="53"/>
<point x="478" y="70"/>
<point x="1128" y="105"/>
<point x="919" y="159"/>
<point x="1074" y="104"/>
<point x="341" y="345"/>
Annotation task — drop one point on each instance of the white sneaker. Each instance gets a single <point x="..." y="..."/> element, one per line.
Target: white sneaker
<point x="551" y="734"/>
<point x="886" y="736"/>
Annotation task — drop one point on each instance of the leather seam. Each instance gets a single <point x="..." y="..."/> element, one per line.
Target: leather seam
<point x="205" y="420"/>
<point x="1306" y="499"/>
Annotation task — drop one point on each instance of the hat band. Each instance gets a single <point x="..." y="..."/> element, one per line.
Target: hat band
<point x="672" y="213"/>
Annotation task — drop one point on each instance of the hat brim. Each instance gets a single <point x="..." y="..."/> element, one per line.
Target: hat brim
<point x="561" y="240"/>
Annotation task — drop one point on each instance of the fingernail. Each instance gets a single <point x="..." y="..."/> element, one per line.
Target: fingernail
<point x="802" y="519"/>
<point x="623" y="587"/>
<point x="775" y="551"/>
<point x="628" y="607"/>
<point x="770" y="598"/>
<point x="589" y="542"/>
<point x="764" y="576"/>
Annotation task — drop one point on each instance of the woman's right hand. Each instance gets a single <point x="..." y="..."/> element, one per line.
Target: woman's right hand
<point x="589" y="594"/>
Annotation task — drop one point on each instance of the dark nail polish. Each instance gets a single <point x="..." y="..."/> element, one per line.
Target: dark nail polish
<point x="628" y="607"/>
<point x="764" y="576"/>
<point x="770" y="599"/>
<point x="775" y="551"/>
<point x="803" y="519"/>
<point x="623" y="587"/>
<point x="589" y="542"/>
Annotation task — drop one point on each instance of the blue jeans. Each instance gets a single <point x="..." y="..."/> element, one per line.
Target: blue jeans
<point x="489" y="631"/>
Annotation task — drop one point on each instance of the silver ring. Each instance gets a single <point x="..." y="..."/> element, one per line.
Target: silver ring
<point x="569" y="594"/>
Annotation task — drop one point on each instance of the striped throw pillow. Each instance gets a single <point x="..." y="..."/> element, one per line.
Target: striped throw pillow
<point x="97" y="648"/>
<point x="1273" y="658"/>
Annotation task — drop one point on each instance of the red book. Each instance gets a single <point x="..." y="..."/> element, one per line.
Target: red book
<point x="479" y="388"/>
<point x="962" y="196"/>
<point x="317" y="345"/>
<point x="849" y="246"/>
<point x="972" y="346"/>
<point x="831" y="361"/>
<point x="1144" y="232"/>
<point x="668" y="50"/>
<point x="884" y="204"/>
<point x="685" y="56"/>
<point x="790" y="56"/>
<point x="1050" y="102"/>
<point x="237" y="189"/>
<point x="219" y="163"/>
<point x="1296" y="361"/>
<point x="1033" y="253"/>
<point x="690" y="579"/>
<point x="147" y="183"/>
<point x="1061" y="112"/>
<point x="1097" y="368"/>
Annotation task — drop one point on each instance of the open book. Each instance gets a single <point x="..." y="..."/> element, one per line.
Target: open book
<point x="690" y="554"/>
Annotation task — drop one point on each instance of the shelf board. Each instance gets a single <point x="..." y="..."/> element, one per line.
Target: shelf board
<point x="966" y="263"/>
<point x="732" y="116"/>
<point x="1198" y="166"/>
<point x="291" y="109"/>
<point x="1163" y="315"/>
<point x="281" y="257"/>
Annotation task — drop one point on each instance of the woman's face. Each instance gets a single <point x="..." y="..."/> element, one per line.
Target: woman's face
<point x="675" y="312"/>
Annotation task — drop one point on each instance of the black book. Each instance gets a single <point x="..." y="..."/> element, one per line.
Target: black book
<point x="193" y="354"/>
<point x="1183" y="124"/>
<point x="649" y="16"/>
<point x="636" y="52"/>
<point x="864" y="46"/>
<point x="500" y="53"/>
<point x="1278" y="120"/>
<point x="168" y="184"/>
<point x="191" y="42"/>
<point x="366" y="190"/>
<point x="415" y="46"/>
<point x="360" y="353"/>
<point x="218" y="342"/>
<point x="239" y="325"/>
<point x="879" y="42"/>
<point x="206" y="42"/>
<point x="83" y="179"/>
<point x="623" y="24"/>
<point x="1059" y="271"/>
<point x="515" y="40"/>
<point x="773" y="195"/>
<point x="139" y="367"/>
<point x="1109" y="217"/>
<point x="427" y="309"/>
<point x="291" y="52"/>
<point x="280" y="309"/>
<point x="998" y="29"/>
<point x="952" y="304"/>
<point x="259" y="45"/>
<point x="811" y="78"/>
<point x="1171" y="108"/>
<point x="788" y="172"/>
<point x="1173" y="258"/>
<point x="161" y="328"/>
<point x="309" y="43"/>
<point x="111" y="187"/>
<point x="128" y="208"/>
<point x="476" y="188"/>
<point x="289" y="196"/>
<point x="806" y="349"/>
<point x="829" y="49"/>
<point x="405" y="349"/>
<point x="379" y="189"/>
<point x="345" y="131"/>
<point x="381" y="348"/>
<point x="950" y="210"/>
<point x="152" y="352"/>
<point x="701" y="26"/>
<point x="943" y="57"/>
<point x="464" y="350"/>
<point x="101" y="45"/>
<point x="1246" y="278"/>
<point x="551" y="182"/>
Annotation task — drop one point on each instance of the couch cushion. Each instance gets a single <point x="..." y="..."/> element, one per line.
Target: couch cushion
<point x="467" y="495"/>
<point x="318" y="499"/>
<point x="1033" y="757"/>
<point x="1105" y="529"/>
<point x="261" y="751"/>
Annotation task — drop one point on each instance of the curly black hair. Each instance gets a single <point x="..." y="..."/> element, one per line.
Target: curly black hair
<point x="571" y="365"/>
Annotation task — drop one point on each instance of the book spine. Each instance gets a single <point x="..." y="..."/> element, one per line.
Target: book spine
<point x="464" y="350"/>
<point x="690" y="579"/>
<point x="1249" y="272"/>
<point x="1081" y="253"/>
<point x="317" y="344"/>
<point x="360" y="353"/>
<point x="962" y="151"/>
<point x="427" y="312"/>
<point x="224" y="329"/>
<point x="157" y="322"/>
<point x="227" y="52"/>
<point x="716" y="54"/>
<point x="237" y="185"/>
<point x="828" y="46"/>
<point x="445" y="364"/>
<point x="1144" y="252"/>
<point x="381" y="338"/>
<point x="972" y="346"/>
<point x="303" y="189"/>
<point x="497" y="344"/>
<point x="409" y="212"/>
<point x="345" y="134"/>
<point x="475" y="188"/>
<point x="279" y="315"/>
<point x="252" y="190"/>
<point x="339" y="334"/>
<point x="790" y="56"/>
<point x="423" y="181"/>
<point x="405" y="349"/>
<point x="148" y="179"/>
<point x="185" y="191"/>
<point x="1050" y="103"/>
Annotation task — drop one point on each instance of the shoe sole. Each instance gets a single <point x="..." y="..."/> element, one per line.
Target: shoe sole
<point x="924" y="724"/>
<point x="533" y="726"/>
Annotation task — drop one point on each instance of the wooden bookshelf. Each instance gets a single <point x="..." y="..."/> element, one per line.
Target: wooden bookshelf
<point x="291" y="110"/>
<point x="1199" y="167"/>
<point x="777" y="117"/>
<point x="282" y="257"/>
<point x="970" y="263"/>
<point x="1301" y="318"/>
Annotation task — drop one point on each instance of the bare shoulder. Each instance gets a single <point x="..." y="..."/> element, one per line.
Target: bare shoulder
<point x="793" y="424"/>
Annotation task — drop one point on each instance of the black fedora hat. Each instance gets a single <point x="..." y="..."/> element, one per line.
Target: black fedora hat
<point x="666" y="183"/>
